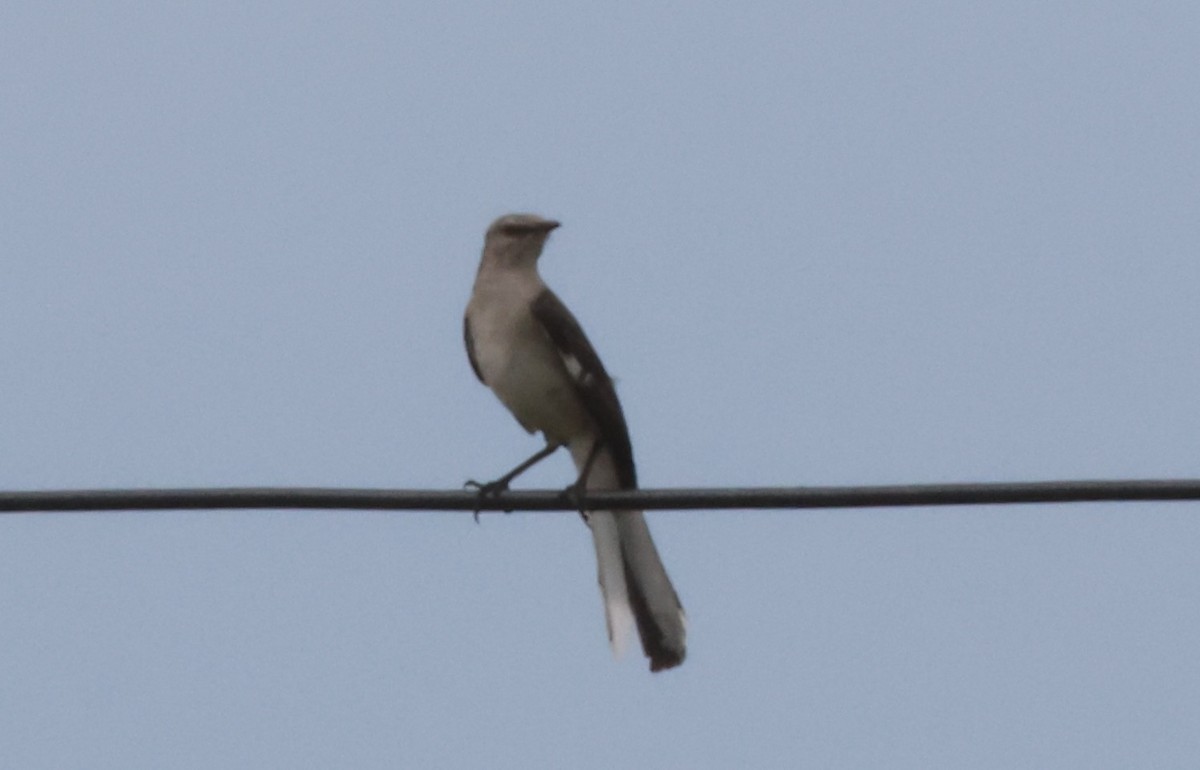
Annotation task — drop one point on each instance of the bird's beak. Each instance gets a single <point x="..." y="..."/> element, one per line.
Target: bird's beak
<point x="550" y="224"/>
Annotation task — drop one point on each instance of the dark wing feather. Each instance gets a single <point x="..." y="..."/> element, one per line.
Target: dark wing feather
<point x="592" y="382"/>
<point x="470" y="343"/>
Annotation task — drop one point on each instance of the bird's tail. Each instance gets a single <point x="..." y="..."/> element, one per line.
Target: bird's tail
<point x="633" y="581"/>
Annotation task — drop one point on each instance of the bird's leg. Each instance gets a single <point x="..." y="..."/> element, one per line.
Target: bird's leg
<point x="493" y="488"/>
<point x="576" y="491"/>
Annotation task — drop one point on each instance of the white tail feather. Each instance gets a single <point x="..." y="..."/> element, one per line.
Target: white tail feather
<point x="610" y="566"/>
<point x="618" y="615"/>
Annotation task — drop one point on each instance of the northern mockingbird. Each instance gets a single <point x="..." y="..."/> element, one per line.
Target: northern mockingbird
<point x="526" y="346"/>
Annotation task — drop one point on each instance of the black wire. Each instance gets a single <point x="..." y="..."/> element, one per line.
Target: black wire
<point x="643" y="499"/>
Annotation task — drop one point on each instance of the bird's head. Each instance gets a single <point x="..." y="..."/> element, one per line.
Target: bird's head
<point x="517" y="238"/>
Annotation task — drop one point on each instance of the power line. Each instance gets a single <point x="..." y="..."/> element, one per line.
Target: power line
<point x="908" y="495"/>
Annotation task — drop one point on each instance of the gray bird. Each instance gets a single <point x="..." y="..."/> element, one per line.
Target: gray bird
<point x="525" y="345"/>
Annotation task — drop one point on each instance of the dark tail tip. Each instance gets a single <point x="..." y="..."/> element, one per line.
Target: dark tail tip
<point x="665" y="660"/>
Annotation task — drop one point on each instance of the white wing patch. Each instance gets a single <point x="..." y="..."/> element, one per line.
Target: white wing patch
<point x="574" y="368"/>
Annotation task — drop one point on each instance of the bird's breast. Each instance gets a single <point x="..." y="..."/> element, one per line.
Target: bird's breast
<point x="522" y="367"/>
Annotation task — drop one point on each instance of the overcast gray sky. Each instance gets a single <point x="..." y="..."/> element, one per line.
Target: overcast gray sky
<point x="816" y="243"/>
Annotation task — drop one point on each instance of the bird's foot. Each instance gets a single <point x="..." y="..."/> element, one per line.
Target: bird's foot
<point x="488" y="489"/>
<point x="574" y="494"/>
